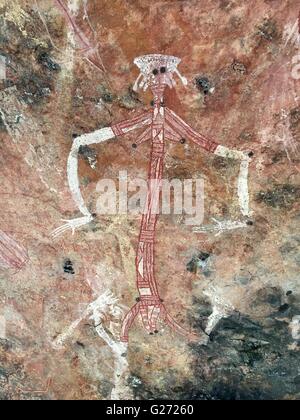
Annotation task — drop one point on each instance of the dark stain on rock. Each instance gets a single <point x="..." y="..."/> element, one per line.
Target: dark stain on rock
<point x="130" y="100"/>
<point x="2" y="125"/>
<point x="295" y="123"/>
<point x="89" y="155"/>
<point x="287" y="248"/>
<point x="282" y="196"/>
<point x="45" y="60"/>
<point x="106" y="95"/>
<point x="247" y="359"/>
<point x="268" y="30"/>
<point x="226" y="5"/>
<point x="203" y="84"/>
<point x="34" y="88"/>
<point x="239" y="67"/>
<point x="203" y="308"/>
<point x="246" y="135"/>
<point x="220" y="163"/>
<point x="5" y="345"/>
<point x="68" y="267"/>
<point x="278" y="157"/>
<point x="198" y="261"/>
<point x="28" y="55"/>
<point x="295" y="117"/>
<point x="285" y="307"/>
<point x="105" y="388"/>
<point x="269" y="296"/>
<point x="290" y="251"/>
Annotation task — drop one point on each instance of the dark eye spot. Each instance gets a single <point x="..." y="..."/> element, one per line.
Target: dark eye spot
<point x="163" y="69"/>
<point x="155" y="72"/>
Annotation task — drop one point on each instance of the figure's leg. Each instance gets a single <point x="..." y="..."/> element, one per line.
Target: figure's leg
<point x="176" y="327"/>
<point x="144" y="311"/>
<point x="128" y="321"/>
<point x="154" y="318"/>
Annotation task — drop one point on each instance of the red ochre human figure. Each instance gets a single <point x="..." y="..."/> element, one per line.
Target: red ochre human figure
<point x="161" y="125"/>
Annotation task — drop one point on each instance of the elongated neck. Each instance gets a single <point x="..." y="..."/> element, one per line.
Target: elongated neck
<point x="158" y="93"/>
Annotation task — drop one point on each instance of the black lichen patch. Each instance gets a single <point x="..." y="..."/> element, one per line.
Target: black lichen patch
<point x="269" y="296"/>
<point x="221" y="164"/>
<point x="68" y="267"/>
<point x="246" y="135"/>
<point x="268" y="30"/>
<point x="278" y="157"/>
<point x="30" y="66"/>
<point x="203" y="308"/>
<point x="106" y="95"/>
<point x="34" y="88"/>
<point x="89" y="155"/>
<point x="47" y="61"/>
<point x="226" y="5"/>
<point x="289" y="249"/>
<point x="2" y="125"/>
<point x="295" y="117"/>
<point x="245" y="359"/>
<point x="295" y="124"/>
<point x="105" y="388"/>
<point x="282" y="196"/>
<point x="203" y="84"/>
<point x="239" y="67"/>
<point x="130" y="100"/>
<point x="198" y="261"/>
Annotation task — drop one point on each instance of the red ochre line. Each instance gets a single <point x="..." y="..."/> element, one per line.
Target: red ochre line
<point x="119" y="128"/>
<point x="150" y="306"/>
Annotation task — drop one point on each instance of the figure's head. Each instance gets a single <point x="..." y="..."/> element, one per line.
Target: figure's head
<point x="157" y="71"/>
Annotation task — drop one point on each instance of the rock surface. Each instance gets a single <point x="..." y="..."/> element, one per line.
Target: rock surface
<point x="62" y="300"/>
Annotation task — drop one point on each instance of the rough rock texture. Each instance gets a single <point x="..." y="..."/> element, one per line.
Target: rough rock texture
<point x="241" y="92"/>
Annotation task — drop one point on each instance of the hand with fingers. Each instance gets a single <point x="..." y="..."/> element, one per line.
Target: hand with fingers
<point x="71" y="225"/>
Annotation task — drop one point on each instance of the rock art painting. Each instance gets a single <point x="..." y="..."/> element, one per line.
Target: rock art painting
<point x="12" y="254"/>
<point x="162" y="124"/>
<point x="149" y="167"/>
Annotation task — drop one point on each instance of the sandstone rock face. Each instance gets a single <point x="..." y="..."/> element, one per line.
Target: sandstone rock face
<point x="62" y="299"/>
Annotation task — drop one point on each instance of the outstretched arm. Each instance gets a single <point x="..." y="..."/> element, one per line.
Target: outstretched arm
<point x="96" y="137"/>
<point x="179" y="126"/>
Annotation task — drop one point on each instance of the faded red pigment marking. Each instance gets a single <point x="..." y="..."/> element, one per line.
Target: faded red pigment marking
<point x="165" y="125"/>
<point x="12" y="255"/>
<point x="89" y="49"/>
